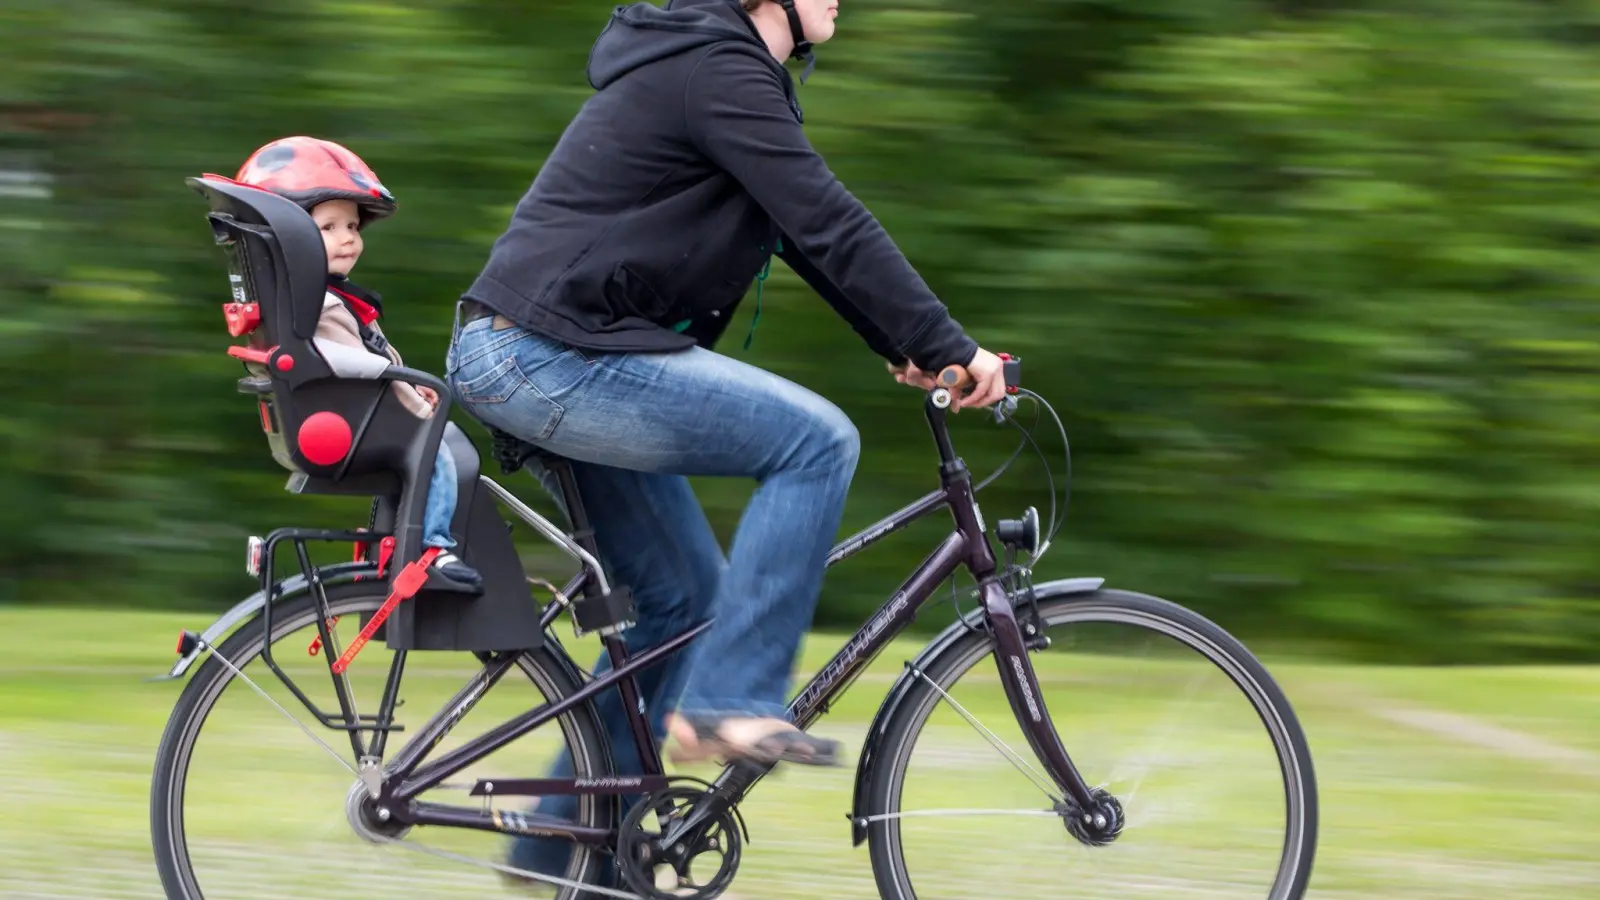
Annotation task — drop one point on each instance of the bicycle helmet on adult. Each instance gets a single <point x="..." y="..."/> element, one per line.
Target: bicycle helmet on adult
<point x="310" y="170"/>
<point x="804" y="50"/>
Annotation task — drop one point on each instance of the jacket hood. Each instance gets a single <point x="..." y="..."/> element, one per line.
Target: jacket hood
<point x="641" y="33"/>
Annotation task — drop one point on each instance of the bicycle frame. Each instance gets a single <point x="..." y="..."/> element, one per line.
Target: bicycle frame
<point x="407" y="776"/>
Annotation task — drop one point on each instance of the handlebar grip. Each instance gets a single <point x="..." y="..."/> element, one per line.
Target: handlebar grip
<point x="954" y="378"/>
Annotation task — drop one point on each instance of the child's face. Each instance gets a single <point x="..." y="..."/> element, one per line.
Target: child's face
<point x="340" y="224"/>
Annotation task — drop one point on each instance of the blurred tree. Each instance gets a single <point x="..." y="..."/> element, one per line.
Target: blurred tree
<point x="1313" y="283"/>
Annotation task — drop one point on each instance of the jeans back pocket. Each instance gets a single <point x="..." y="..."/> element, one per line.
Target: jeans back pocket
<point x="503" y="397"/>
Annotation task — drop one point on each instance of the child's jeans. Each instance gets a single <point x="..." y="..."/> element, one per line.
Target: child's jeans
<point x="441" y="501"/>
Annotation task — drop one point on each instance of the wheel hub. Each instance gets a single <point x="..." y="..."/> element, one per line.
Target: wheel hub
<point x="371" y="820"/>
<point x="1098" y="825"/>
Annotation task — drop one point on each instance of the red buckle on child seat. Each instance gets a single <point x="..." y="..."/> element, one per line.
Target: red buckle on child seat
<point x="406" y="585"/>
<point x="242" y="318"/>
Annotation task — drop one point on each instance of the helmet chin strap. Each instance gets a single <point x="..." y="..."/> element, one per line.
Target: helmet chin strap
<point x="803" y="49"/>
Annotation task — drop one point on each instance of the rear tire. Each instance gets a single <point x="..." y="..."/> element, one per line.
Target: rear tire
<point x="548" y="671"/>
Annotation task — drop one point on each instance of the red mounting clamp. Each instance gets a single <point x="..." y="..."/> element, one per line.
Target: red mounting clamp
<point x="360" y="554"/>
<point x="385" y="553"/>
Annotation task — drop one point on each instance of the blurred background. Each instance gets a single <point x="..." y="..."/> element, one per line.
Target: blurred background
<point x="1312" y="283"/>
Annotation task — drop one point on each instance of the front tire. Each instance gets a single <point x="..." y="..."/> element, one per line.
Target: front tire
<point x="954" y="867"/>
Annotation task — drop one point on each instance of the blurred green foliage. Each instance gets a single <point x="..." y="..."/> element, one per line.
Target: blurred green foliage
<point x="1312" y="283"/>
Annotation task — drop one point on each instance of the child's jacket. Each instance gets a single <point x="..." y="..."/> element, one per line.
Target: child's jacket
<point x="349" y="338"/>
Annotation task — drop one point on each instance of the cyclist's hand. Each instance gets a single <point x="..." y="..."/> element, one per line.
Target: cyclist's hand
<point x="989" y="380"/>
<point x="910" y="374"/>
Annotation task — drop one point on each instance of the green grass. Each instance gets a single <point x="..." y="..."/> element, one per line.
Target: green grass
<point x="1435" y="783"/>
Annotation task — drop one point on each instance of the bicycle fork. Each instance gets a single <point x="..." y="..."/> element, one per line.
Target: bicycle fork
<point x="1027" y="702"/>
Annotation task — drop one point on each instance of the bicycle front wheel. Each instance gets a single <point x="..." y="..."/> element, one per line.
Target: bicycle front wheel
<point x="1158" y="706"/>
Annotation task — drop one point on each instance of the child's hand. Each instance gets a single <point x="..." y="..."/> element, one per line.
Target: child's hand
<point x="430" y="395"/>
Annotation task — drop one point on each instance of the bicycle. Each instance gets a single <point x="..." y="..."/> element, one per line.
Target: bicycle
<point x="695" y="820"/>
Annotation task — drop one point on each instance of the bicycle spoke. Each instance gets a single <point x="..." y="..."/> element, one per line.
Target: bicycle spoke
<point x="1162" y="733"/>
<point x="1016" y="760"/>
<point x="344" y="677"/>
<point x="883" y="817"/>
<point x="1169" y="701"/>
<point x="290" y="716"/>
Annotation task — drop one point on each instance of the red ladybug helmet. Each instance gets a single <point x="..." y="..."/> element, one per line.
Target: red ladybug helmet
<point x="310" y="170"/>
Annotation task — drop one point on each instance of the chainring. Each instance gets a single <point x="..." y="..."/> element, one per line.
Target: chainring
<point x="645" y="859"/>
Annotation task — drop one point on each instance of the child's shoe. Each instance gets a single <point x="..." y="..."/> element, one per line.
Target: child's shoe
<point x="451" y="567"/>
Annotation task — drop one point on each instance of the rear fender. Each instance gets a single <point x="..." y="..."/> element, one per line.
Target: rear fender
<point x="245" y="609"/>
<point x="903" y="685"/>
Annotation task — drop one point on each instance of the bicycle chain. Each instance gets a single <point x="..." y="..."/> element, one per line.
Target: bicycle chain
<point x="505" y="869"/>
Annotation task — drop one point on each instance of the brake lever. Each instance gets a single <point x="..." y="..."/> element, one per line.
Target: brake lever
<point x="1004" y="409"/>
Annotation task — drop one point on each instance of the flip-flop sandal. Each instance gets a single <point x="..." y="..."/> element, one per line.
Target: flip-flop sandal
<point x="787" y="745"/>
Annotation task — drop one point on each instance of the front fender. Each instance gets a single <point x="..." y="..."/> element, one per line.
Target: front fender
<point x="903" y="685"/>
<point x="292" y="586"/>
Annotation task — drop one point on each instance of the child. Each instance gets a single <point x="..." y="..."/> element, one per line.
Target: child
<point x="343" y="195"/>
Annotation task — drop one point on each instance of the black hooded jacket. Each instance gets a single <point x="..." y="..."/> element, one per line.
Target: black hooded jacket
<point x="673" y="186"/>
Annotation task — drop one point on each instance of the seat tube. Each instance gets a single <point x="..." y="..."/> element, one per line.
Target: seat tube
<point x="633" y="705"/>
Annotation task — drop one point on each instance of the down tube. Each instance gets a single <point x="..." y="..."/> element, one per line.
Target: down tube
<point x="889" y="621"/>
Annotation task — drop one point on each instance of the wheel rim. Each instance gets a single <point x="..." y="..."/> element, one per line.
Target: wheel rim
<point x="1065" y="707"/>
<point x="336" y="855"/>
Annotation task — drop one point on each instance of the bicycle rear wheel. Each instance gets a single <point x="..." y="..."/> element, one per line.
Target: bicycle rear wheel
<point x="1221" y="802"/>
<point x="259" y="809"/>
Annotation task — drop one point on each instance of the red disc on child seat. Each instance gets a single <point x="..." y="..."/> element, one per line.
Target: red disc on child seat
<point x="285" y="362"/>
<point x="324" y="438"/>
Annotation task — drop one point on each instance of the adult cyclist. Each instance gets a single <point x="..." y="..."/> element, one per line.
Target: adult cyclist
<point x="588" y="333"/>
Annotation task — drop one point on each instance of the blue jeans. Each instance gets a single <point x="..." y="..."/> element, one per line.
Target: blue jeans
<point x="441" y="505"/>
<point x="635" y="426"/>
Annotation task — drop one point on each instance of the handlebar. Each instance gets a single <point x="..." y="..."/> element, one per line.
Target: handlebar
<point x="1026" y="532"/>
<point x="954" y="379"/>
